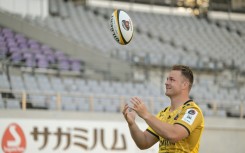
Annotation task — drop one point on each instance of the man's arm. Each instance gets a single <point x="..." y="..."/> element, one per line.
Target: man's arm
<point x="173" y="133"/>
<point x="143" y="140"/>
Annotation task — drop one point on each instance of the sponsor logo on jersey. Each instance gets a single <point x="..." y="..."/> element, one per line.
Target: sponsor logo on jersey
<point x="190" y="116"/>
<point x="164" y="142"/>
<point x="192" y="112"/>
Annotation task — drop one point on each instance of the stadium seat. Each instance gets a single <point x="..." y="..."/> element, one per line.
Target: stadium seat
<point x="30" y="83"/>
<point x="4" y="81"/>
<point x="38" y="101"/>
<point x="2" y="104"/>
<point x="12" y="104"/>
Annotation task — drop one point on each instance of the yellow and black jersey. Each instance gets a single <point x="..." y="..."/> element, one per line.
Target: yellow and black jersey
<point x="191" y="118"/>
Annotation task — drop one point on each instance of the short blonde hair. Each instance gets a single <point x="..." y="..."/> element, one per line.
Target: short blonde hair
<point x="186" y="72"/>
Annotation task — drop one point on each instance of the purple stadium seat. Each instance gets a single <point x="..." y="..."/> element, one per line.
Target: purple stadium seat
<point x="14" y="49"/>
<point x="31" y="41"/>
<point x="34" y="46"/>
<point x="25" y="50"/>
<point x="19" y="36"/>
<point x="61" y="58"/>
<point x="27" y="55"/>
<point x="2" y="39"/>
<point x="42" y="63"/>
<point x="3" y="44"/>
<point x="63" y="65"/>
<point x="45" y="47"/>
<point x="76" y="66"/>
<point x="20" y="40"/>
<point x="3" y="52"/>
<point x="12" y="44"/>
<point x="39" y="56"/>
<point x="50" y="58"/>
<point x="59" y="53"/>
<point x="22" y="43"/>
<point x="8" y="35"/>
<point x="48" y="52"/>
<point x="29" y="62"/>
<point x="10" y="40"/>
<point x="23" y="46"/>
<point x="16" y="57"/>
<point x="3" y="48"/>
<point x="36" y="51"/>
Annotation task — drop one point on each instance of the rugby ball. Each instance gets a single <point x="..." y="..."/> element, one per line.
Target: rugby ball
<point x="121" y="27"/>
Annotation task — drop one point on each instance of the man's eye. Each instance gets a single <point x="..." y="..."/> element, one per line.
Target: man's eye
<point x="170" y="79"/>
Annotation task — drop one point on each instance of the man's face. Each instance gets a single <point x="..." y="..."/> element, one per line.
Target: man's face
<point x="174" y="83"/>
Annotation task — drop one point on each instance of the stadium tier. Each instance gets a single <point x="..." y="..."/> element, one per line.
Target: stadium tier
<point x="42" y="91"/>
<point x="16" y="49"/>
<point x="211" y="47"/>
<point x="174" y="39"/>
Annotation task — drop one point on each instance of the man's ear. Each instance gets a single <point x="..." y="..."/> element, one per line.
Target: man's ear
<point x="185" y="84"/>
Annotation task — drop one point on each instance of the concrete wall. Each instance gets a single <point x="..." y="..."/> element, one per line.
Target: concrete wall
<point x="26" y="7"/>
<point x="221" y="135"/>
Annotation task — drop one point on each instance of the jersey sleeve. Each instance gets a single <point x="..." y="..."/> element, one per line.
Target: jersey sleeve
<point x="190" y="118"/>
<point x="150" y="130"/>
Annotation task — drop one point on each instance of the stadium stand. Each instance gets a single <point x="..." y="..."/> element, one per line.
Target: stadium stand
<point x="23" y="51"/>
<point x="41" y="92"/>
<point x="211" y="47"/>
<point x="78" y="94"/>
<point x="198" y="38"/>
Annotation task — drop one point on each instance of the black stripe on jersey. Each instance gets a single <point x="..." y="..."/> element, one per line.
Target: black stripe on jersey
<point x="152" y="133"/>
<point x="165" y="109"/>
<point x="188" y="101"/>
<point x="184" y="127"/>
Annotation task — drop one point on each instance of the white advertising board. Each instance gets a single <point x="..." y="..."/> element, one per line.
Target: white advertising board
<point x="67" y="136"/>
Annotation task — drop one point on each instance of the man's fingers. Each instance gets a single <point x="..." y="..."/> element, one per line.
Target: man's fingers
<point x="125" y="109"/>
<point x="136" y="101"/>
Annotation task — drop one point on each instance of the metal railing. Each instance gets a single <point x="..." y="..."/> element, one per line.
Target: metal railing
<point x="215" y="105"/>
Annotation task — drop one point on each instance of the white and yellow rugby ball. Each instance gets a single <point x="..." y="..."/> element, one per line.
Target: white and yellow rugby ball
<point x="121" y="27"/>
